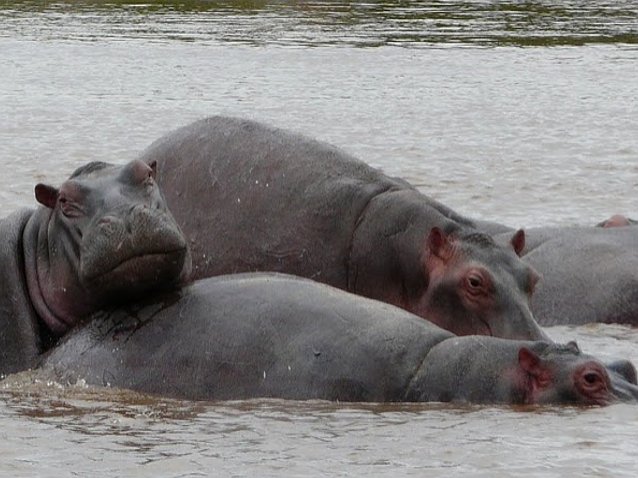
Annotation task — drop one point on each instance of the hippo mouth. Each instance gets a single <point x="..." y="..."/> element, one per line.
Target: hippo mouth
<point x="141" y="271"/>
<point x="487" y="328"/>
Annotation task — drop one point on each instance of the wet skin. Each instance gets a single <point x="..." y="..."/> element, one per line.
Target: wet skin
<point x="272" y="335"/>
<point x="103" y="237"/>
<point x="254" y="198"/>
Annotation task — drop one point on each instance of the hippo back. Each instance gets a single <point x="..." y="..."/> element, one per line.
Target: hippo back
<point x="252" y="335"/>
<point x="269" y="199"/>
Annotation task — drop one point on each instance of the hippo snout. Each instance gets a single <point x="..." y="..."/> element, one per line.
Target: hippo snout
<point x="142" y="241"/>
<point x="622" y="375"/>
<point x="623" y="390"/>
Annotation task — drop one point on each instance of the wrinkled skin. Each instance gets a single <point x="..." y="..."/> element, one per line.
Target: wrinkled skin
<point x="105" y="236"/>
<point x="588" y="274"/>
<point x="272" y="335"/>
<point x="254" y="198"/>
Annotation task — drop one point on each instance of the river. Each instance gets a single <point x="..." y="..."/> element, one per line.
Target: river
<point x="521" y="112"/>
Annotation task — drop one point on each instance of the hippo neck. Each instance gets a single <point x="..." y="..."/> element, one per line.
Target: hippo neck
<point x="45" y="280"/>
<point x="19" y="340"/>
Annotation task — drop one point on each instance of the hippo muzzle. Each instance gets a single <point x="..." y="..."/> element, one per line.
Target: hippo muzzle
<point x="139" y="246"/>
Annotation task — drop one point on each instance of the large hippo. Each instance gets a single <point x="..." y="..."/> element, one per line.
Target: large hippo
<point x="104" y="236"/>
<point x="255" y="198"/>
<point x="274" y="335"/>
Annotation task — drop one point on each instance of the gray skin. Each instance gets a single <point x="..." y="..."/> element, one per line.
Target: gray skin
<point x="588" y="274"/>
<point x="273" y="335"/>
<point x="250" y="197"/>
<point x="105" y="236"/>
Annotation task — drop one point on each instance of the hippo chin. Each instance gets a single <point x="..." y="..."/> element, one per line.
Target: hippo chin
<point x="286" y="203"/>
<point x="272" y="335"/>
<point x="103" y="237"/>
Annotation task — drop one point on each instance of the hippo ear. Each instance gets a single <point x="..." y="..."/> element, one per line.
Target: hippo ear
<point x="438" y="243"/>
<point x="538" y="376"/>
<point x="573" y="346"/>
<point x="532" y="364"/>
<point x="528" y="360"/>
<point x="46" y="195"/>
<point x="153" y="165"/>
<point x="518" y="242"/>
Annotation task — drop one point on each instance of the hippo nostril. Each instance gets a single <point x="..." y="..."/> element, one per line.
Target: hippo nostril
<point x="106" y="220"/>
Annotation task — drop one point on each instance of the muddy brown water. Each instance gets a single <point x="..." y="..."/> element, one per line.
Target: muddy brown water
<point x="522" y="112"/>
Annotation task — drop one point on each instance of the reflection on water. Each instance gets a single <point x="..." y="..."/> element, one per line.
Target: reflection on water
<point x="316" y="23"/>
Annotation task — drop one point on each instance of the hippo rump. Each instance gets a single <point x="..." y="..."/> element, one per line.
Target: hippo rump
<point x="104" y="236"/>
<point x="250" y="197"/>
<point x="278" y="336"/>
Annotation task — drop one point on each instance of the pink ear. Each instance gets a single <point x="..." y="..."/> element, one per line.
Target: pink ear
<point x="518" y="242"/>
<point x="438" y="243"/>
<point x="46" y="195"/>
<point x="529" y="361"/>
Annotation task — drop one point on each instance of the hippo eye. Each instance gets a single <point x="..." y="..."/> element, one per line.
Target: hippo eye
<point x="476" y="284"/>
<point x="474" y="281"/>
<point x="591" y="378"/>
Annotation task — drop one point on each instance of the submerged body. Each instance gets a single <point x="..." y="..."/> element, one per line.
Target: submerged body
<point x="103" y="237"/>
<point x="272" y="335"/>
<point x="250" y="197"/>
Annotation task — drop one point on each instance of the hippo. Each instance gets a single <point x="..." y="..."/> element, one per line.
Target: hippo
<point x="104" y="236"/>
<point x="250" y="197"/>
<point x="588" y="273"/>
<point x="269" y="335"/>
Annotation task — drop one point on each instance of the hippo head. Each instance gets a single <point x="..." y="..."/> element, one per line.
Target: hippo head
<point x="562" y="374"/>
<point x="476" y="286"/>
<point x="103" y="237"/>
<point x="481" y="369"/>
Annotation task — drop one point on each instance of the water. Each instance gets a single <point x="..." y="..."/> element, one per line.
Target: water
<point x="522" y="112"/>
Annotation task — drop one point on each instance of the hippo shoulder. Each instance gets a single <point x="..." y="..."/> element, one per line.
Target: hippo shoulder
<point x="19" y="340"/>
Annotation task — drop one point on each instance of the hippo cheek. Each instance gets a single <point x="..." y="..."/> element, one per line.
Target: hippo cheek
<point x="446" y="308"/>
<point x="458" y="320"/>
